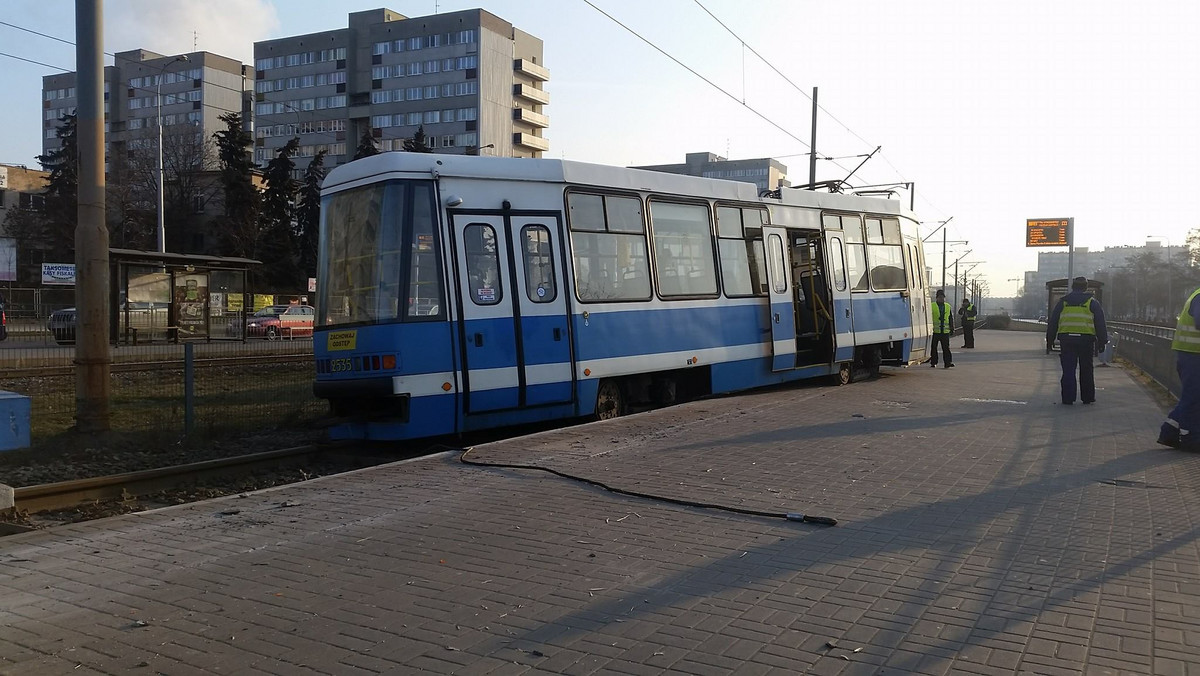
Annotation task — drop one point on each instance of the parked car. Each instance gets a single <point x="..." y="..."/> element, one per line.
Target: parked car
<point x="278" y="321"/>
<point x="143" y="315"/>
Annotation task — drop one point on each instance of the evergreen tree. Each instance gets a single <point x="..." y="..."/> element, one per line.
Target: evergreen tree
<point x="239" y="228"/>
<point x="308" y="214"/>
<point x="366" y="146"/>
<point x="419" y="143"/>
<point x="279" y="248"/>
<point x="56" y="231"/>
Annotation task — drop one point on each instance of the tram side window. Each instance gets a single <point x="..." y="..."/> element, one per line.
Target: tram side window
<point x="608" y="247"/>
<point x="775" y="259"/>
<point x="836" y="255"/>
<point x="683" y="249"/>
<point x="539" y="264"/>
<point x="425" y="269"/>
<point x="856" y="254"/>
<point x="743" y="267"/>
<point x="483" y="263"/>
<point x="886" y="254"/>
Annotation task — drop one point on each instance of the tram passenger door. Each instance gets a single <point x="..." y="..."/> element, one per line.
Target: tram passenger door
<point x="839" y="290"/>
<point x="783" y="312"/>
<point x="918" y="301"/>
<point x="513" y="327"/>
<point x="542" y="339"/>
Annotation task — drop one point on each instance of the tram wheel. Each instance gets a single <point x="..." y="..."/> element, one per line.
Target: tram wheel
<point x="845" y="374"/>
<point x="610" y="400"/>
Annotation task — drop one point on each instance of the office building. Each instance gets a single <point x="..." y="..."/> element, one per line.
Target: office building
<point x="765" y="172"/>
<point x="470" y="80"/>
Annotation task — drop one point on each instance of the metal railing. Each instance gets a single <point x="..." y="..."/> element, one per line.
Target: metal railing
<point x="1148" y="347"/>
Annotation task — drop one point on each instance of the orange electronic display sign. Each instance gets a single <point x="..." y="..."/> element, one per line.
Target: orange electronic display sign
<point x="1047" y="232"/>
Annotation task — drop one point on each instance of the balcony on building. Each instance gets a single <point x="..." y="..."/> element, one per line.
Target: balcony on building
<point x="531" y="93"/>
<point x="531" y="118"/>
<point x="530" y="141"/>
<point x="531" y="69"/>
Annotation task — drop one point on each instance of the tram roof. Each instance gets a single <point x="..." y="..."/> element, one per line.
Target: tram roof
<point x="412" y="165"/>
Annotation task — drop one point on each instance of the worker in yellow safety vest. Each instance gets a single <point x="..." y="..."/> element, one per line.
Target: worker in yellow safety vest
<point x="943" y="326"/>
<point x="1179" y="431"/>
<point x="1078" y="322"/>
<point x="967" y="313"/>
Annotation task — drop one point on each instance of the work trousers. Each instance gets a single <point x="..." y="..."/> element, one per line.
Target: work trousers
<point x="969" y="333"/>
<point x="1187" y="411"/>
<point x="1076" y="353"/>
<point x="942" y="339"/>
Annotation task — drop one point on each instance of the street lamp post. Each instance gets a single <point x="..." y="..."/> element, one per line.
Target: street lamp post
<point x="162" y="231"/>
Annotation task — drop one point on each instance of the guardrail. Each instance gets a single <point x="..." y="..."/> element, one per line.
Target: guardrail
<point x="1148" y="347"/>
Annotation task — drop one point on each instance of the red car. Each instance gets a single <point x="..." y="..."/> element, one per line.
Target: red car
<point x="280" y="321"/>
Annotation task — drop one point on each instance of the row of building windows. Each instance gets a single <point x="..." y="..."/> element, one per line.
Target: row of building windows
<point x="423" y="93"/>
<point x="64" y="93"/>
<point x="301" y="58"/>
<point x="435" y="141"/>
<point x="426" y="117"/>
<point x="732" y="173"/>
<point x="291" y="130"/>
<point x="264" y="155"/>
<point x="167" y="99"/>
<point x="318" y="103"/>
<point x="301" y="82"/>
<point x="166" y="78"/>
<point x="419" y="42"/>
<point x="424" y="67"/>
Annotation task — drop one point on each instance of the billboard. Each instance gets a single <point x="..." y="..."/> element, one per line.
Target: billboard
<point x="58" y="273"/>
<point x="8" y="259"/>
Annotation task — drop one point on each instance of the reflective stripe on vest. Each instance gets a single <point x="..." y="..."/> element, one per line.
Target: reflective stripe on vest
<point x="970" y="314"/>
<point x="1077" y="319"/>
<point x="941" y="321"/>
<point x="1187" y="337"/>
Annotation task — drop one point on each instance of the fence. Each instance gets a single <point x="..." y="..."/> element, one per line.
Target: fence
<point x="1149" y="348"/>
<point x="234" y="388"/>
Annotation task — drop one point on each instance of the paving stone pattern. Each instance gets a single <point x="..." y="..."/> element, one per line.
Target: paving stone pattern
<point x="984" y="529"/>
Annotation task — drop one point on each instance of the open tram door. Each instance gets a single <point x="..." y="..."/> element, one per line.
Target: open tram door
<point x="508" y="269"/>
<point x="841" y="310"/>
<point x="779" y="289"/>
<point x="919" y="300"/>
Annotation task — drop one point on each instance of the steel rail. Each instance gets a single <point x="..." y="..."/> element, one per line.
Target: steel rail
<point x="67" y="494"/>
<point x="155" y="365"/>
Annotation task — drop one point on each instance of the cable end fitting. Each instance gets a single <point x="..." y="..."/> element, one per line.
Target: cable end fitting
<point x="809" y="518"/>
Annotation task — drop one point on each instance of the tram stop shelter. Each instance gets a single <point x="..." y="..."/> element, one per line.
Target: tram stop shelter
<point x="170" y="297"/>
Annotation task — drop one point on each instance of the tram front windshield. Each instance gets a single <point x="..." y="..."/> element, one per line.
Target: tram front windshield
<point x="379" y="259"/>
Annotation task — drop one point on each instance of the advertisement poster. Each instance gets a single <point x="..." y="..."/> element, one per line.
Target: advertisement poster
<point x="8" y="259"/>
<point x="191" y="295"/>
<point x="261" y="300"/>
<point x="58" y="273"/>
<point x="234" y="302"/>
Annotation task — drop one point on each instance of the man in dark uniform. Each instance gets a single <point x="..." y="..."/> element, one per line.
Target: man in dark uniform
<point x="966" y="313"/>
<point x="1078" y="322"/>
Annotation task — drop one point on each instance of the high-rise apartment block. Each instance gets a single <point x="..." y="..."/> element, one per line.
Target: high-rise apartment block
<point x="470" y="80"/>
<point x="195" y="92"/>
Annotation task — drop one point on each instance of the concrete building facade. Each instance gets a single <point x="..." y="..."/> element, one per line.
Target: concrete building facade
<point x="21" y="189"/>
<point x="470" y="80"/>
<point x="195" y="93"/>
<point x="765" y="172"/>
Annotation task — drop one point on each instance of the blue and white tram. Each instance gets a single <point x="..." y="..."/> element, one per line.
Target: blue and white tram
<point x="459" y="293"/>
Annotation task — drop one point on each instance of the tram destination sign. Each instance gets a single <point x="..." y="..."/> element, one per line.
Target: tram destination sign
<point x="1047" y="232"/>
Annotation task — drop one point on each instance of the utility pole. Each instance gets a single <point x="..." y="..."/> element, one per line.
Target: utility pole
<point x="92" y="358"/>
<point x="812" y="146"/>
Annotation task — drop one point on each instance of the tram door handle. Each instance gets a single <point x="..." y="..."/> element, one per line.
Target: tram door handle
<point x="478" y="340"/>
<point x="776" y="317"/>
<point x="557" y="333"/>
<point x="847" y="313"/>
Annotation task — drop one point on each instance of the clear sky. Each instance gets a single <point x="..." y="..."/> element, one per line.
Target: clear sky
<point x="998" y="111"/>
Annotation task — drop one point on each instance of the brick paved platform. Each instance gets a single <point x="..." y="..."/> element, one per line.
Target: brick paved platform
<point x="984" y="529"/>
